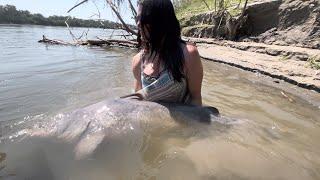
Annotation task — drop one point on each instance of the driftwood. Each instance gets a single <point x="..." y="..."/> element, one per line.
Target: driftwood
<point x="96" y="42"/>
<point x="111" y="42"/>
<point x="53" y="41"/>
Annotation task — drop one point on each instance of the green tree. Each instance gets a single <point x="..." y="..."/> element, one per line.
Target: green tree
<point x="10" y="15"/>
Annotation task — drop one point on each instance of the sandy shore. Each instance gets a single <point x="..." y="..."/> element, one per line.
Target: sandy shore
<point x="290" y="64"/>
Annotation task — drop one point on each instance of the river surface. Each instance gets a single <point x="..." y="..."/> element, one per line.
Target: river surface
<point x="277" y="137"/>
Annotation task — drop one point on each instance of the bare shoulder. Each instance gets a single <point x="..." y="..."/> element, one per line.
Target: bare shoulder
<point x="136" y="60"/>
<point x="136" y="65"/>
<point x="192" y="56"/>
<point x="192" y="49"/>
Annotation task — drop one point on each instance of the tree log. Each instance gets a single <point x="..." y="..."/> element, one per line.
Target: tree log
<point x="53" y="41"/>
<point x="92" y="42"/>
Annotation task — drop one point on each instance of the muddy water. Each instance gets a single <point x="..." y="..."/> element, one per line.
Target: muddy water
<point x="277" y="136"/>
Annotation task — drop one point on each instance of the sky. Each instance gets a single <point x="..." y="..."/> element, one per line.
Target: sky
<point x="60" y="7"/>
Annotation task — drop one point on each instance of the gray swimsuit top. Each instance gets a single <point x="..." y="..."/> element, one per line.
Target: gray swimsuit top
<point x="164" y="88"/>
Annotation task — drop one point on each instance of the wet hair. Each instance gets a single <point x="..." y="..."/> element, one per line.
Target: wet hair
<point x="164" y="40"/>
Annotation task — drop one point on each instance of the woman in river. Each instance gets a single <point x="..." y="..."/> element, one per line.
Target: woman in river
<point x="166" y="69"/>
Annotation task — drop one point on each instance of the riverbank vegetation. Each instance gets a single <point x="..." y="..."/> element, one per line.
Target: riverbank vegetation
<point x="10" y="15"/>
<point x="314" y="62"/>
<point x="218" y="18"/>
<point x="193" y="7"/>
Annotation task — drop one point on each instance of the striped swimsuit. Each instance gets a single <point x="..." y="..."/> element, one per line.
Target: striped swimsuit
<point x="164" y="88"/>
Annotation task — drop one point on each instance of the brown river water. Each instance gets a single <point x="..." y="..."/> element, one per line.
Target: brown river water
<point x="277" y="135"/>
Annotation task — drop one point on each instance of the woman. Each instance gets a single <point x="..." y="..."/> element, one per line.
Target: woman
<point x="166" y="69"/>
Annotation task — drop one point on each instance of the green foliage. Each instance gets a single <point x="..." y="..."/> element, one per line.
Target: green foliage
<point x="186" y="8"/>
<point x="284" y="58"/>
<point x="192" y="7"/>
<point x="10" y="15"/>
<point x="314" y="62"/>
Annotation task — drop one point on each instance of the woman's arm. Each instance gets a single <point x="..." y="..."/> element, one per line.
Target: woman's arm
<point x="136" y="69"/>
<point x="194" y="74"/>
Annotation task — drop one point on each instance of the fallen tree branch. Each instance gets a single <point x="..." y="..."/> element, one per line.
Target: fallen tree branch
<point x="70" y="32"/>
<point x="53" y="41"/>
<point x="111" y="42"/>
<point x="120" y="41"/>
<point x="92" y="42"/>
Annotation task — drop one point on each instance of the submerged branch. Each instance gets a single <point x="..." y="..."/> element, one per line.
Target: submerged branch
<point x="54" y="41"/>
<point x="92" y="42"/>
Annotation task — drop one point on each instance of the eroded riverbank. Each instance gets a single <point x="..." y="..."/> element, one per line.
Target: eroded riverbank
<point x="295" y="65"/>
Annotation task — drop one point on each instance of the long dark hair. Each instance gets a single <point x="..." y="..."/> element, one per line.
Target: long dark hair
<point x="158" y="17"/>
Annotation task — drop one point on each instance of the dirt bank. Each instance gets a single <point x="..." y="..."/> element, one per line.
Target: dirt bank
<point x="279" y="22"/>
<point x="286" y="22"/>
<point x="281" y="62"/>
<point x="280" y="38"/>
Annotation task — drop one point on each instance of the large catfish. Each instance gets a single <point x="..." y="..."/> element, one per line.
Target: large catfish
<point x="89" y="126"/>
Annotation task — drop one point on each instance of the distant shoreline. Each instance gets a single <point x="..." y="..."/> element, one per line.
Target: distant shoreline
<point x="10" y="15"/>
<point x="13" y="24"/>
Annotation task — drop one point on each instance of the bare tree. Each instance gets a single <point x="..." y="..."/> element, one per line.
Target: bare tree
<point x="204" y="1"/>
<point x="114" y="5"/>
<point x="234" y="23"/>
<point x="115" y="9"/>
<point x="215" y="5"/>
<point x="221" y="4"/>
